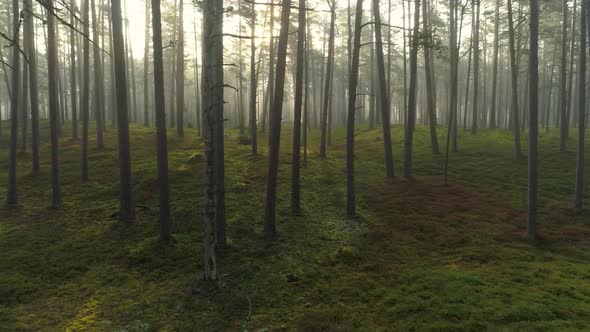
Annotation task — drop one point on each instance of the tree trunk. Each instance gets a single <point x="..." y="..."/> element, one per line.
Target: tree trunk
<point x="126" y="210"/>
<point x="352" y="86"/>
<point x="570" y="88"/>
<point x="73" y="85"/>
<point x="11" y="197"/>
<point x="98" y="82"/>
<point x="328" y="83"/>
<point x="409" y="133"/>
<point x="275" y="126"/>
<point x="383" y="92"/>
<point x="475" y="113"/>
<point x="495" y="66"/>
<point x="212" y="105"/>
<point x="85" y="102"/>
<point x="160" y="110"/>
<point x="514" y="85"/>
<point x="296" y="164"/>
<point x="146" y="56"/>
<point x="253" y="83"/>
<point x="533" y="118"/>
<point x="579" y="200"/>
<point x="271" y="74"/>
<point x="53" y="74"/>
<point x="430" y="94"/>
<point x="563" y="81"/>
<point x="34" y="92"/>
<point x="180" y="73"/>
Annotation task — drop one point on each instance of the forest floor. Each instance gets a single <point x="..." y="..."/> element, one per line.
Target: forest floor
<point x="420" y="256"/>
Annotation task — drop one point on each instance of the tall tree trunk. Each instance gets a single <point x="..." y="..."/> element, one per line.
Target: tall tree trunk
<point x="430" y="93"/>
<point x="253" y="82"/>
<point x="563" y="81"/>
<point x="98" y="81"/>
<point x="271" y="67"/>
<point x="514" y="85"/>
<point x="34" y="92"/>
<point x="73" y="86"/>
<point x="533" y="118"/>
<point x="275" y="126"/>
<point x="85" y="102"/>
<point x="296" y="164"/>
<point x="579" y="200"/>
<point x="409" y="133"/>
<point x="475" y="113"/>
<point x="328" y="83"/>
<point x="165" y="226"/>
<point x="212" y="105"/>
<point x="454" y="61"/>
<point x="383" y="92"/>
<point x="180" y="73"/>
<point x="570" y="88"/>
<point x="495" y="66"/>
<point x="126" y="210"/>
<point x="467" y="83"/>
<point x="11" y="197"/>
<point x="25" y="99"/>
<point x="352" y="86"/>
<point x="146" y="58"/>
<point x="52" y="75"/>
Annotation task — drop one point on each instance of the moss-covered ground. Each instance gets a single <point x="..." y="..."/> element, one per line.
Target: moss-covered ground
<point x="420" y="256"/>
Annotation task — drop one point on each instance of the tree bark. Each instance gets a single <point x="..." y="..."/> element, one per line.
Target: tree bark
<point x="160" y="110"/>
<point x="579" y="197"/>
<point x="352" y="86"/>
<point x="409" y="133"/>
<point x="328" y="83"/>
<point x="98" y="82"/>
<point x="514" y="85"/>
<point x="213" y="105"/>
<point x="533" y="118"/>
<point x="563" y="123"/>
<point x="126" y="209"/>
<point x="53" y="74"/>
<point x="275" y="126"/>
<point x="383" y="92"/>
<point x="296" y="164"/>
<point x="11" y="198"/>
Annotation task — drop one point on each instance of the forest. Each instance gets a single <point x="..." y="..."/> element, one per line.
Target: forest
<point x="279" y="165"/>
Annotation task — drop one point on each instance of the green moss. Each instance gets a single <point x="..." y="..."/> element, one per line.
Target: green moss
<point x="420" y="256"/>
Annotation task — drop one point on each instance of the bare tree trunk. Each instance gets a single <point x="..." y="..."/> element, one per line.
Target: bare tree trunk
<point x="275" y="126"/>
<point x="454" y="61"/>
<point x="53" y="74"/>
<point x="25" y="99"/>
<point x="430" y="93"/>
<point x="383" y="92"/>
<point x="73" y="85"/>
<point x="296" y="164"/>
<point x="253" y="83"/>
<point x="34" y="92"/>
<point x="563" y="81"/>
<point x="409" y="133"/>
<point x="271" y="74"/>
<point x="146" y="58"/>
<point x="180" y="73"/>
<point x="570" y="88"/>
<point x="98" y="82"/>
<point x="213" y="105"/>
<point x="514" y="85"/>
<point x="579" y="200"/>
<point x="495" y="65"/>
<point x="352" y="86"/>
<point x="328" y="83"/>
<point x="11" y="197"/>
<point x="475" y="113"/>
<point x="85" y="102"/>
<point x="534" y="123"/>
<point x="126" y="210"/>
<point x="165" y="226"/>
